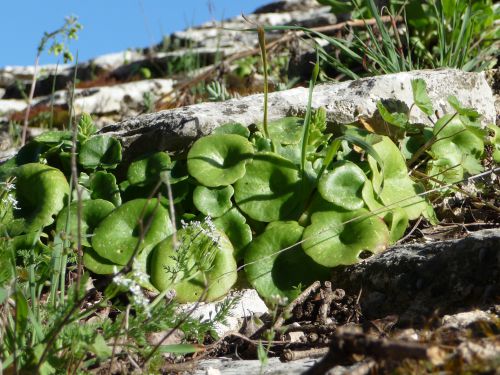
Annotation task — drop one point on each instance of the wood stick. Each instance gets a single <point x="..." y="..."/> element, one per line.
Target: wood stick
<point x="345" y="344"/>
<point x="294" y="355"/>
<point x="297" y="301"/>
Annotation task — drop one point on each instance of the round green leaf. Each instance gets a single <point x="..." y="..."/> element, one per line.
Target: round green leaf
<point x="397" y="221"/>
<point x="233" y="128"/>
<point x="234" y="225"/>
<point x="343" y="185"/>
<point x="118" y="235"/>
<point x="93" y="212"/>
<point x="41" y="192"/>
<point x="219" y="160"/>
<point x="54" y="137"/>
<point x="147" y="169"/>
<point x="444" y="170"/>
<point x="337" y="238"/>
<point x="103" y="186"/>
<point x="271" y="189"/>
<point x="398" y="189"/>
<point x="287" y="131"/>
<point x="272" y="272"/>
<point x="462" y="146"/>
<point x="219" y="273"/>
<point x="213" y="202"/>
<point x="97" y="264"/>
<point x="100" y="151"/>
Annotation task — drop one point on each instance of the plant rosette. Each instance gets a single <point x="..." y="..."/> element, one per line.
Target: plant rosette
<point x="197" y="263"/>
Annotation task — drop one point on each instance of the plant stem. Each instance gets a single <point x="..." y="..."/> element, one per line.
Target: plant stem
<point x="263" y="52"/>
<point x="74" y="177"/>
<point x="30" y="99"/>
<point x="307" y="120"/>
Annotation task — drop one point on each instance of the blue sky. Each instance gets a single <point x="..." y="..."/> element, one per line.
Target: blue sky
<point x="109" y="25"/>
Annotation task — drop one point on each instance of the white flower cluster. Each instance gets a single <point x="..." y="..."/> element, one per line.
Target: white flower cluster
<point x="131" y="285"/>
<point x="207" y="227"/>
<point x="9" y="200"/>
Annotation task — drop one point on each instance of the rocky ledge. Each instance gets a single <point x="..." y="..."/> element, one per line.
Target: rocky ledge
<point x="345" y="102"/>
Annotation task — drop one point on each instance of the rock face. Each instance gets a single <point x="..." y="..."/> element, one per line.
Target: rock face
<point x="111" y="99"/>
<point x="345" y="103"/>
<point x="415" y="281"/>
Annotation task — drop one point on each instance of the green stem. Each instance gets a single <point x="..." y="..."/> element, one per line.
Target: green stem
<point x="263" y="51"/>
<point x="307" y="120"/>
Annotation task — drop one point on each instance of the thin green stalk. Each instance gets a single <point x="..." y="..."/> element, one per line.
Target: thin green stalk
<point x="32" y="286"/>
<point x="30" y="99"/>
<point x="428" y="144"/>
<point x="307" y="119"/>
<point x="74" y="177"/>
<point x="263" y="51"/>
<point x="53" y="89"/>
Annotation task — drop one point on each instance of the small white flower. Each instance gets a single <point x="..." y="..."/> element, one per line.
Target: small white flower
<point x="11" y="200"/>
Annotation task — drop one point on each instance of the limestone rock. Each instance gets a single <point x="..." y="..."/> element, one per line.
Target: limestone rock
<point x="112" y="99"/>
<point x="249" y="304"/>
<point x="417" y="280"/>
<point x="345" y="103"/>
<point x="111" y="61"/>
<point x="288" y="6"/>
<point x="11" y="105"/>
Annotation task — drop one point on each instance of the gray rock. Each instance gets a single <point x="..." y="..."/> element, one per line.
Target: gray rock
<point x="418" y="280"/>
<point x="9" y="74"/>
<point x="121" y="98"/>
<point x="227" y="366"/>
<point x="287" y="6"/>
<point x="112" y="61"/>
<point x="11" y="105"/>
<point x="493" y="78"/>
<point x="249" y="304"/>
<point x="466" y="319"/>
<point x="345" y="102"/>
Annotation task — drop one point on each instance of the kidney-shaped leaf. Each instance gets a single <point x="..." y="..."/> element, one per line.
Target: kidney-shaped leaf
<point x="398" y="188"/>
<point x="100" y="151"/>
<point x="41" y="192"/>
<point x="337" y="238"/>
<point x="397" y="221"/>
<point x="420" y="96"/>
<point x="97" y="264"/>
<point x="232" y="128"/>
<point x="287" y="131"/>
<point x="220" y="274"/>
<point x="118" y="235"/>
<point x="103" y="186"/>
<point x="270" y="190"/>
<point x="234" y="225"/>
<point x="343" y="185"/>
<point x="147" y="169"/>
<point x="213" y="202"/>
<point x="93" y="212"/>
<point x="272" y="271"/>
<point x="219" y="159"/>
<point x="461" y="145"/>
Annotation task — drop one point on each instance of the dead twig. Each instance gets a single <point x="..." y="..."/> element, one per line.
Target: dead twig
<point x="294" y="355"/>
<point x="457" y="188"/>
<point x="328" y="295"/>
<point x="297" y="301"/>
<point x="344" y="345"/>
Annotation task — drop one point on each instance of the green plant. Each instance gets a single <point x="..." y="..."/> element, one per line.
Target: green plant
<point x="452" y="148"/>
<point x="44" y="326"/>
<point x="436" y="33"/>
<point x="217" y="92"/>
